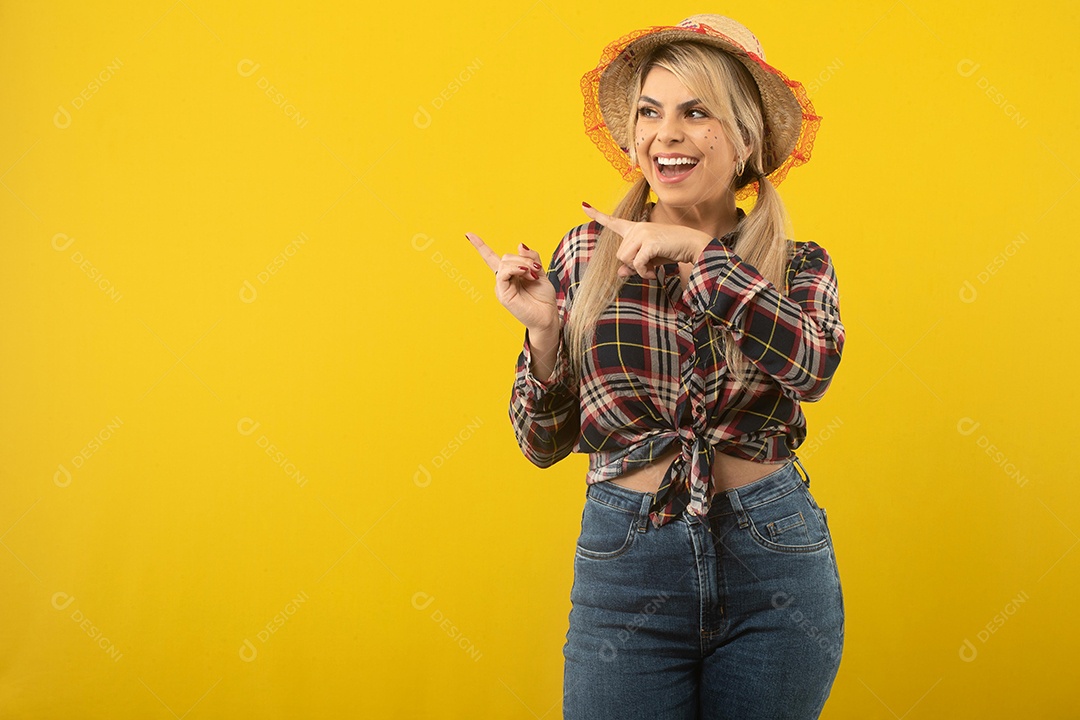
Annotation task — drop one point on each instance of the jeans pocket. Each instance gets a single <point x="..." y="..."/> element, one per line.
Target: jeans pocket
<point x="607" y="531"/>
<point x="790" y="523"/>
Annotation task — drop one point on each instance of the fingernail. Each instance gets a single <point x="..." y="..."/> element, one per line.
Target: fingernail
<point x="586" y="204"/>
<point x="535" y="276"/>
<point x="537" y="266"/>
<point x="525" y="246"/>
<point x="467" y="237"/>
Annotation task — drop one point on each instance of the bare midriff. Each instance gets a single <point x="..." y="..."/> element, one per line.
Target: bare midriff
<point x="728" y="472"/>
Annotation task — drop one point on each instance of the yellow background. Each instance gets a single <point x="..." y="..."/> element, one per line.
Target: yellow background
<point x="256" y="453"/>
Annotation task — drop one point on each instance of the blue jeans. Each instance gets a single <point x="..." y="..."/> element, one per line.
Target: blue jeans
<point x="741" y="616"/>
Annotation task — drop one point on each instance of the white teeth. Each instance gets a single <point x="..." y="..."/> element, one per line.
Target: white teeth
<point x="676" y="161"/>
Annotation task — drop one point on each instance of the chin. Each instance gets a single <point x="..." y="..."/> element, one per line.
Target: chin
<point x="676" y="199"/>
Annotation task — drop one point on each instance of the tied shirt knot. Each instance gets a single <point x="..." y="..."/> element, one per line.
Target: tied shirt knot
<point x="688" y="481"/>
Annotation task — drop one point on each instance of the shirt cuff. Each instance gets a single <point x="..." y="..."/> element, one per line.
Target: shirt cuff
<point x="535" y="388"/>
<point x="722" y="285"/>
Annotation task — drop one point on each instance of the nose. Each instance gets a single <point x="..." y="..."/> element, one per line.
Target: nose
<point x="670" y="129"/>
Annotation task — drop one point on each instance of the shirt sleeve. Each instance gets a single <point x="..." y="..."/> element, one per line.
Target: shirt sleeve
<point x="546" y="413"/>
<point x="796" y="339"/>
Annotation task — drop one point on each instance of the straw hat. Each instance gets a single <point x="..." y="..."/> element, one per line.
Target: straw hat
<point x="790" y="121"/>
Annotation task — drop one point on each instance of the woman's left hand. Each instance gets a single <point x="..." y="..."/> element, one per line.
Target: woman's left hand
<point x="647" y="244"/>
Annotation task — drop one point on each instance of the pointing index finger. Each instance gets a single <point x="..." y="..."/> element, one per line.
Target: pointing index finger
<point x="621" y="226"/>
<point x="487" y="253"/>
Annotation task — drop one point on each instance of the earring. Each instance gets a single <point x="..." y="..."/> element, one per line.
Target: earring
<point x="739" y="166"/>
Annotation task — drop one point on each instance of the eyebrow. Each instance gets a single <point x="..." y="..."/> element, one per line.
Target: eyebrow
<point x="681" y="106"/>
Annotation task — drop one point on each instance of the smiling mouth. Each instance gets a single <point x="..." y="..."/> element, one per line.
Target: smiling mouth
<point x="675" y="171"/>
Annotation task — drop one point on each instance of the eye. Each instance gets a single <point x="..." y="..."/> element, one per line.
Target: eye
<point x="643" y="110"/>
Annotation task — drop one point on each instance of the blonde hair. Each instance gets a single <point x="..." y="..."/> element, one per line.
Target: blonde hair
<point x="729" y="93"/>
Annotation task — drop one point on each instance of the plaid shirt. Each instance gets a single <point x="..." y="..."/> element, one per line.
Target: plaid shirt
<point x="655" y="374"/>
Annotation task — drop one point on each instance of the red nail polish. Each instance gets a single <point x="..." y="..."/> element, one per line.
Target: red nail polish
<point x="525" y="246"/>
<point x="535" y="276"/>
<point x="586" y="204"/>
<point x="537" y="266"/>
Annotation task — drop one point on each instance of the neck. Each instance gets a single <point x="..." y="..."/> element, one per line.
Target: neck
<point x="716" y="220"/>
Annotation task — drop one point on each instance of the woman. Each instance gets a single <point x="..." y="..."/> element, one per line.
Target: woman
<point x="705" y="582"/>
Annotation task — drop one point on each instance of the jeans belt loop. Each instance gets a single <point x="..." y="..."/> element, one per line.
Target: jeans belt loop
<point x="643" y="512"/>
<point x="806" y="475"/>
<point x="736" y="505"/>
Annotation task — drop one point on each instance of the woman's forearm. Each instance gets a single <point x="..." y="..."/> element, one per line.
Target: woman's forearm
<point x="544" y="346"/>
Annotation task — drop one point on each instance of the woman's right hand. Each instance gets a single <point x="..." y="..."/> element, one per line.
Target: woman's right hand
<point x="521" y="285"/>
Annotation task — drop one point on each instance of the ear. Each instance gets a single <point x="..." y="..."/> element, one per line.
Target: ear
<point x="745" y="138"/>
